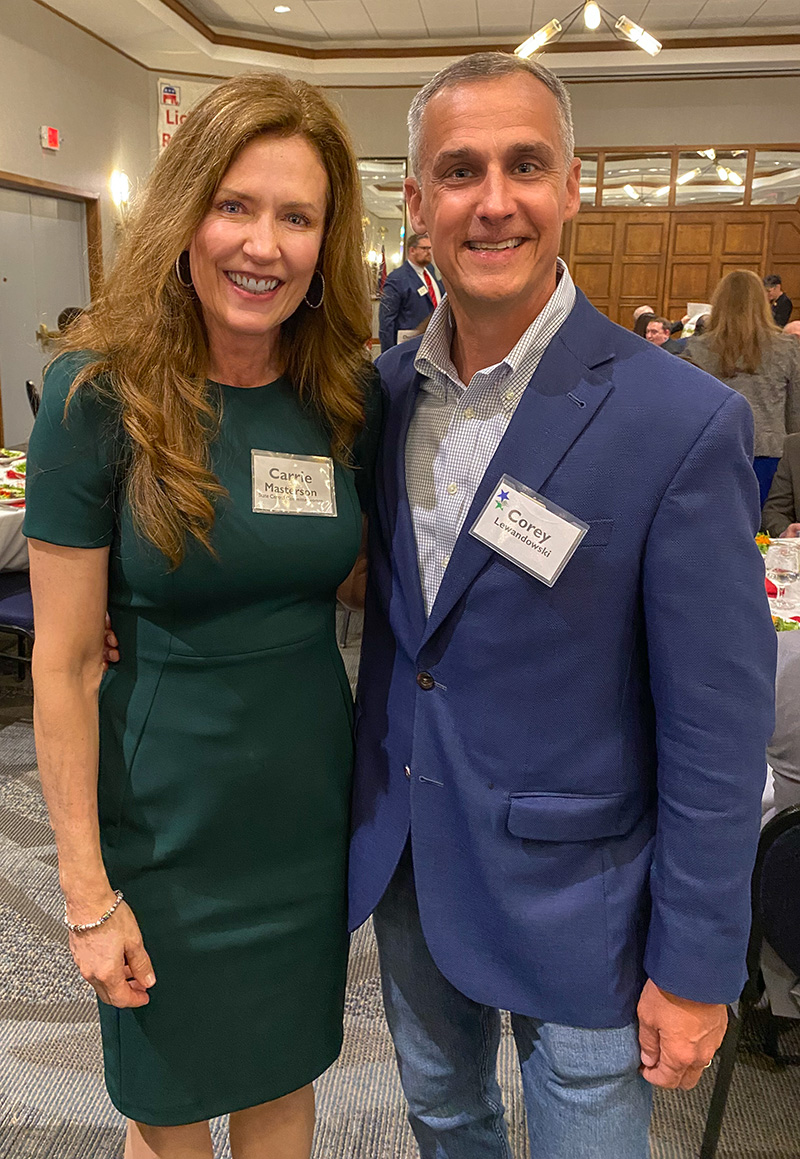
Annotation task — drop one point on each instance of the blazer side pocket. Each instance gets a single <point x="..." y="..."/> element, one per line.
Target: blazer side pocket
<point x="572" y="817"/>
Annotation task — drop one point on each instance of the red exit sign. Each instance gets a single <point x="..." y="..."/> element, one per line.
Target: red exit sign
<point x="49" y="137"/>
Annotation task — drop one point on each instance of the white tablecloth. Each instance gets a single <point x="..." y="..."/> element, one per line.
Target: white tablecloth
<point x="13" y="544"/>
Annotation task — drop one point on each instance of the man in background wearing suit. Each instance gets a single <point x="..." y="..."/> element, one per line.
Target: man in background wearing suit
<point x="411" y="293"/>
<point x="562" y="712"/>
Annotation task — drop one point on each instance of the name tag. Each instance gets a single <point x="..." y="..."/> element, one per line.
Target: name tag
<point x="422" y="291"/>
<point x="524" y="527"/>
<point x="292" y="484"/>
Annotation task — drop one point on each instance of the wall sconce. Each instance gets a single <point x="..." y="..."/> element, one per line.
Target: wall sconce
<point x="120" y="186"/>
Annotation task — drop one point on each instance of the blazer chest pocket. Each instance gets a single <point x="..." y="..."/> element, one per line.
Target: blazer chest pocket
<point x="572" y="816"/>
<point x="598" y="535"/>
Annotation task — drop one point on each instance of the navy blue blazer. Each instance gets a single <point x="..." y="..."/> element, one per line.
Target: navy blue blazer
<point x="581" y="776"/>
<point x="404" y="303"/>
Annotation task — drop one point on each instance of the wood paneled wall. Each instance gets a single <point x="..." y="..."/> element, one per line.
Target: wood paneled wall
<point x="665" y="258"/>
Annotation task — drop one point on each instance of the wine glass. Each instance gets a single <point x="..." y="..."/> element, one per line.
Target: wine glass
<point x="783" y="568"/>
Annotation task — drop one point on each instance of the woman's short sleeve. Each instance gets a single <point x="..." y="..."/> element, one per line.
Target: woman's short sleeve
<point x="365" y="448"/>
<point x="72" y="463"/>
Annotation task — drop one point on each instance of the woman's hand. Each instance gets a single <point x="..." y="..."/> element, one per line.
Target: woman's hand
<point x="113" y="960"/>
<point x="110" y="645"/>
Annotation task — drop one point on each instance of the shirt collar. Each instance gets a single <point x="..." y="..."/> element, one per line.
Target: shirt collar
<point x="433" y="359"/>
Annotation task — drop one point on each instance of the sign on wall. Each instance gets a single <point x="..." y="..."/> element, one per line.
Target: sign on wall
<point x="175" y="100"/>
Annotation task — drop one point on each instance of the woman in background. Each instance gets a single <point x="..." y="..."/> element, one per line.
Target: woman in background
<point x="196" y="467"/>
<point x="743" y="347"/>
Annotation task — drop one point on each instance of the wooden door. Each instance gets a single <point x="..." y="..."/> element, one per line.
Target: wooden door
<point x="617" y="259"/>
<point x="783" y="253"/>
<point x="704" y="247"/>
<point x="669" y="258"/>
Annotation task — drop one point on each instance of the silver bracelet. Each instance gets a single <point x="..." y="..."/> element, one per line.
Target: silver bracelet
<point x="82" y="927"/>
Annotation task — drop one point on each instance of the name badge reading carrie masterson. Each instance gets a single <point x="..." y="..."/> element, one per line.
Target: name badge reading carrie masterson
<point x="524" y="527"/>
<point x="292" y="484"/>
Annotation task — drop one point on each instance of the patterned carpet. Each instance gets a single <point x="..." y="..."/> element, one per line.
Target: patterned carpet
<point x="52" y="1099"/>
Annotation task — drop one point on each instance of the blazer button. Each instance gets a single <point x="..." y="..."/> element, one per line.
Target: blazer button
<point x="425" y="681"/>
<point x="407" y="770"/>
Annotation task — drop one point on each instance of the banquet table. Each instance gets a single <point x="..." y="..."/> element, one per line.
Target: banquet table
<point x="13" y="544"/>
<point x="782" y="790"/>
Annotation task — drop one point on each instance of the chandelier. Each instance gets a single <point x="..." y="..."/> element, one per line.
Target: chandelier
<point x="593" y="16"/>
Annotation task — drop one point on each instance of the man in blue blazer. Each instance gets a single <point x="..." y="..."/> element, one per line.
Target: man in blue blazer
<point x="566" y="685"/>
<point x="410" y="293"/>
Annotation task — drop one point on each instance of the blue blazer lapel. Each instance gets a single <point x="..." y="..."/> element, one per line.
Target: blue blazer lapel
<point x="402" y="541"/>
<point x="560" y="400"/>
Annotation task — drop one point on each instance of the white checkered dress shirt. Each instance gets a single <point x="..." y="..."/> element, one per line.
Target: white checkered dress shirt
<point x="456" y="429"/>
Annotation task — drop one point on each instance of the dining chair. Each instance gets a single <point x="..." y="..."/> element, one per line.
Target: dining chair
<point x="775" y="893"/>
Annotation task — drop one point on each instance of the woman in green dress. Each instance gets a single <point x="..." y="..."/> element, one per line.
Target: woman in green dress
<point x="199" y="466"/>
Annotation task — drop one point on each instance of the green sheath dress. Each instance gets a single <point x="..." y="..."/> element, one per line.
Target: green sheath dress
<point x="225" y="755"/>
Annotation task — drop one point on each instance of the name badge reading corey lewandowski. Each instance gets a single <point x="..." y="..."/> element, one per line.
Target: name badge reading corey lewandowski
<point x="292" y="484"/>
<point x="529" y="530"/>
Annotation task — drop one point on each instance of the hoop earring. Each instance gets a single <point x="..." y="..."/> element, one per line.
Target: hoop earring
<point x="186" y="285"/>
<point x="316" y="305"/>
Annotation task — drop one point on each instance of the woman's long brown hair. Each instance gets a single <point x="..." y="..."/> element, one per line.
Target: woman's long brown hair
<point x="741" y="326"/>
<point x="146" y="332"/>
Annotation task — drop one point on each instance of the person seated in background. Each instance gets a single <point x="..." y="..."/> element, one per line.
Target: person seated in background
<point x="68" y="315"/>
<point x="793" y="329"/>
<point x="640" y="325"/>
<point x="659" y="332"/>
<point x="780" y="303"/>
<point x="780" y="515"/>
<point x="410" y="294"/>
<point x="702" y="323"/>
<point x="639" y="311"/>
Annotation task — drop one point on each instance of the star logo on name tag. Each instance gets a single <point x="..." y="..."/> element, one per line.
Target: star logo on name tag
<point x="502" y="498"/>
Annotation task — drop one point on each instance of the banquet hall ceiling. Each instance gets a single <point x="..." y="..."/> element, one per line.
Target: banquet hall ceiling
<point x="330" y="21"/>
<point x="391" y="42"/>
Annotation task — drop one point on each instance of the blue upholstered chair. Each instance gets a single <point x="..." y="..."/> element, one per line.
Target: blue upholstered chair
<point x="16" y="616"/>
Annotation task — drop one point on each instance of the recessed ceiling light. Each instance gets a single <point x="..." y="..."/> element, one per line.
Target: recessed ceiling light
<point x="281" y="8"/>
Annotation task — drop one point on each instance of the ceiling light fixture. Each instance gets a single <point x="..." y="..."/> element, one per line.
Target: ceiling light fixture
<point x="710" y="153"/>
<point x="636" y="34"/>
<point x="539" y="39"/>
<point x="662" y="191"/>
<point x="593" y="16"/>
<point x="631" y="192"/>
<point x="684" y="177"/>
<point x="281" y="8"/>
<point x="734" y="178"/>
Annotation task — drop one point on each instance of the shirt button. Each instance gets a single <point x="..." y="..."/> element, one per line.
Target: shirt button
<point x="469" y="413"/>
<point x="425" y="681"/>
<point x="407" y="770"/>
<point x="452" y="488"/>
<point x="509" y="396"/>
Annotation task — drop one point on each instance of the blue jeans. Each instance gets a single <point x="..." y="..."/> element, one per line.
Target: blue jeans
<point x="584" y="1096"/>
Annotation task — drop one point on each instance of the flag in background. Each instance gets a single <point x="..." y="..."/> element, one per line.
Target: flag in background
<point x="382" y="275"/>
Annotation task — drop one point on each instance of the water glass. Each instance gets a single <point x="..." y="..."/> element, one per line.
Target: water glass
<point x="783" y="568"/>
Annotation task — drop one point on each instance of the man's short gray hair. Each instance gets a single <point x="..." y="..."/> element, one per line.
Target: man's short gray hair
<point x="487" y="66"/>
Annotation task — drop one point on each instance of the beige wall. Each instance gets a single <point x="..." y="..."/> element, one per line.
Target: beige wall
<point x="726" y="112"/>
<point x="104" y="105"/>
<point x="51" y="73"/>
<point x="745" y="111"/>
